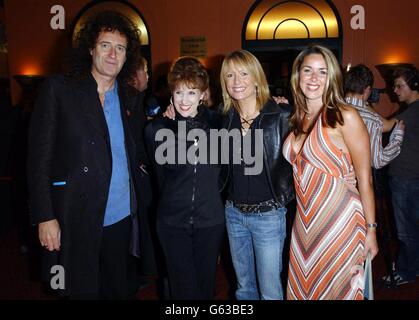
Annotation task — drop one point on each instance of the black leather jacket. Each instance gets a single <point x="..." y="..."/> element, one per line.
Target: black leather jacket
<point x="274" y="122"/>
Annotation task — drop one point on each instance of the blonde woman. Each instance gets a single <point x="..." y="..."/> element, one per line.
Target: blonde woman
<point x="255" y="208"/>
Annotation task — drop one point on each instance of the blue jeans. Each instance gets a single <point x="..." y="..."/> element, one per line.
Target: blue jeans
<point x="256" y="243"/>
<point x="405" y="198"/>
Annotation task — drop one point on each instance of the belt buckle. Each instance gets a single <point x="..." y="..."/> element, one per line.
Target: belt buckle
<point x="246" y="208"/>
<point x="256" y="208"/>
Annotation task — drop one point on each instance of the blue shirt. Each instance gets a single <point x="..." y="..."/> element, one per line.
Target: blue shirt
<point x="118" y="205"/>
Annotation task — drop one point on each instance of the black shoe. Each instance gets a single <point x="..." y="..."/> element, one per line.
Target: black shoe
<point x="397" y="280"/>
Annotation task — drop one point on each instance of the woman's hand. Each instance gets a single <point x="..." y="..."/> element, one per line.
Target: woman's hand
<point x="280" y="99"/>
<point x="371" y="243"/>
<point x="170" y="112"/>
<point x="350" y="177"/>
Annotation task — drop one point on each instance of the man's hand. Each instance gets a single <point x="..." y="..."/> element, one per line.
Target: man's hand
<point x="50" y="235"/>
<point x="400" y="125"/>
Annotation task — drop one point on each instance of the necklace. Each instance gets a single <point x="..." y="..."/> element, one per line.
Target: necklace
<point x="247" y="121"/>
<point x="250" y="119"/>
<point x="311" y="115"/>
<point x="245" y="124"/>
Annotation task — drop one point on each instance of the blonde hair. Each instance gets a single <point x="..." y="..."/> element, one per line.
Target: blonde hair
<point x="332" y="98"/>
<point x="243" y="58"/>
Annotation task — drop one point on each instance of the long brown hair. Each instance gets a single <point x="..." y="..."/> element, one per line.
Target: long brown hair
<point x="332" y="98"/>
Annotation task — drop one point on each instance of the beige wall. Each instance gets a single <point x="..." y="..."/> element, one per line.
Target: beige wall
<point x="390" y="35"/>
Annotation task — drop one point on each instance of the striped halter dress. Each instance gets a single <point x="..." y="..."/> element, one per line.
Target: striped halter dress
<point x="328" y="233"/>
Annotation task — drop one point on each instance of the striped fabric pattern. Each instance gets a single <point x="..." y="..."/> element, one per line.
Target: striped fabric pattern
<point x="380" y="156"/>
<point x="328" y="233"/>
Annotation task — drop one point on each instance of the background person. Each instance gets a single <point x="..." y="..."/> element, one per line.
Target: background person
<point x="358" y="84"/>
<point x="404" y="180"/>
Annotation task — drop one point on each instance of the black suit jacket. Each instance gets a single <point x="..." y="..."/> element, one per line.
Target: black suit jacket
<point x="69" y="146"/>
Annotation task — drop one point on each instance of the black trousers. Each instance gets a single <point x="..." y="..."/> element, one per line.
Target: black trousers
<point x="114" y="256"/>
<point x="191" y="258"/>
<point x="114" y="270"/>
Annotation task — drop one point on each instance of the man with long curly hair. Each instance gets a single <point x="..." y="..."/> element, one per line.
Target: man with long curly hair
<point x="83" y="169"/>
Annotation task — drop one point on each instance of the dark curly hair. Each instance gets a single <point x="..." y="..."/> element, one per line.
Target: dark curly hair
<point x="81" y="60"/>
<point x="188" y="70"/>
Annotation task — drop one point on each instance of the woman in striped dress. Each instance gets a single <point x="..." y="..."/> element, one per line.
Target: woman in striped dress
<point x="334" y="228"/>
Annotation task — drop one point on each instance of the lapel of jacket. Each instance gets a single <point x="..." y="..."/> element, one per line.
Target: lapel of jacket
<point x="89" y="103"/>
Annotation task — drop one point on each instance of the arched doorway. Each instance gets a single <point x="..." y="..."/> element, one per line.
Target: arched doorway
<point x="277" y="30"/>
<point x="124" y="7"/>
